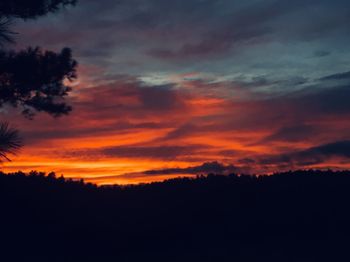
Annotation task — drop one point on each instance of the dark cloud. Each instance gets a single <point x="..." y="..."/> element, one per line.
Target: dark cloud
<point x="292" y="134"/>
<point x="247" y="161"/>
<point x="183" y="30"/>
<point x="205" y="168"/>
<point x="157" y="152"/>
<point x="312" y="156"/>
<point x="324" y="101"/>
<point x="260" y="82"/>
<point x="338" y="76"/>
<point x="301" y="106"/>
<point x="241" y="25"/>
<point x="212" y="45"/>
<point x="160" y="98"/>
<point x="81" y="131"/>
<point x="130" y="98"/>
<point x="182" y="131"/>
<point x="322" y="53"/>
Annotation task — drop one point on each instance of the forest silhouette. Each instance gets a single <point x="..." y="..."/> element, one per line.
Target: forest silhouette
<point x="292" y="216"/>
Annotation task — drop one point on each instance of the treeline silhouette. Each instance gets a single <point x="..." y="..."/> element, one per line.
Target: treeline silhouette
<point x="292" y="216"/>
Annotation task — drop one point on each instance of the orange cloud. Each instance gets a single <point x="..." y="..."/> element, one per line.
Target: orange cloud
<point x="129" y="127"/>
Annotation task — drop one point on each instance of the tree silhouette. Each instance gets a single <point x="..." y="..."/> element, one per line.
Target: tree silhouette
<point x="10" y="141"/>
<point x="28" y="9"/>
<point x="34" y="80"/>
<point x="31" y="79"/>
<point x="6" y="35"/>
<point x="24" y="9"/>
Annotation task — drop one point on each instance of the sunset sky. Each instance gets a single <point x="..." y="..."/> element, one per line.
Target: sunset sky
<point x="173" y="88"/>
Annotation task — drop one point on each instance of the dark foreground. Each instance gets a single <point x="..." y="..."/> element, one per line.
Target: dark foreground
<point x="300" y="216"/>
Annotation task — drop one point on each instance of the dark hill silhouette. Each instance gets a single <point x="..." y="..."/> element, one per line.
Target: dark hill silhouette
<point x="294" y="216"/>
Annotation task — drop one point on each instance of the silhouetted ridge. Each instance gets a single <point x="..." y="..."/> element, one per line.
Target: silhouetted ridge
<point x="293" y="216"/>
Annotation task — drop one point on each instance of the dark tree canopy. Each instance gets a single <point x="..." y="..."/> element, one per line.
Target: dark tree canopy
<point x="28" y="9"/>
<point x="25" y="9"/>
<point x="31" y="79"/>
<point x="5" y="33"/>
<point x="34" y="80"/>
<point x="10" y="141"/>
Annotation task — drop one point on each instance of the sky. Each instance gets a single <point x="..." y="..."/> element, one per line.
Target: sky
<point x="187" y="87"/>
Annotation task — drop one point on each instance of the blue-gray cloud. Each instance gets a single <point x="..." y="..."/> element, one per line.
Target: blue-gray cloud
<point x="217" y="36"/>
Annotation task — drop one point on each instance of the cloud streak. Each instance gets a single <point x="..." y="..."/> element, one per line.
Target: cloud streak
<point x="315" y="155"/>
